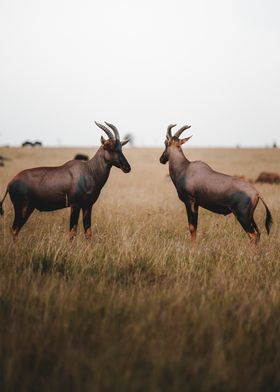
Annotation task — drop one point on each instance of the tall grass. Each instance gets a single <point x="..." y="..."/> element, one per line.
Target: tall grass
<point x="137" y="308"/>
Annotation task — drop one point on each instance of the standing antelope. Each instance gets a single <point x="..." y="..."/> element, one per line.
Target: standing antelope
<point x="75" y="184"/>
<point x="199" y="185"/>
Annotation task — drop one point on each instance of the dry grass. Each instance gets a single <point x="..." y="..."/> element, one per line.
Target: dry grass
<point x="137" y="308"/>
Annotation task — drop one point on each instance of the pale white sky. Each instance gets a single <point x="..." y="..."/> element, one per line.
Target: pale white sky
<point x="140" y="65"/>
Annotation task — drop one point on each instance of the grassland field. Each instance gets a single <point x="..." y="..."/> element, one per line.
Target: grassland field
<point x="138" y="308"/>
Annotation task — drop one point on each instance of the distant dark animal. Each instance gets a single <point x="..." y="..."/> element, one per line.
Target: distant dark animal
<point x="27" y="143"/>
<point x="269" y="178"/>
<point x="76" y="184"/>
<point x="81" y="157"/>
<point x="2" y="159"/>
<point x="198" y="184"/>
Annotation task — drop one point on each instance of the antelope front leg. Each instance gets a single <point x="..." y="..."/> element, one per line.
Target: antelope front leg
<point x="87" y="222"/>
<point x="192" y="212"/>
<point x="74" y="218"/>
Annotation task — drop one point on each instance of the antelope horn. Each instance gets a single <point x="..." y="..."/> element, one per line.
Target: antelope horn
<point x="106" y="130"/>
<point x="124" y="142"/>
<point x="114" y="129"/>
<point x="168" y="133"/>
<point x="178" y="133"/>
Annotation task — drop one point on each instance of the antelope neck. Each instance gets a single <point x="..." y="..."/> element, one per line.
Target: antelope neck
<point x="177" y="163"/>
<point x="98" y="166"/>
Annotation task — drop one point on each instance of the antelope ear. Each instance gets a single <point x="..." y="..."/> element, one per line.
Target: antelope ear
<point x="124" y="142"/>
<point x="182" y="141"/>
<point x="103" y="140"/>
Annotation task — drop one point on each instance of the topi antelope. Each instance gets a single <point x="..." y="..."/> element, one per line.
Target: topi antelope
<point x="199" y="185"/>
<point x="76" y="184"/>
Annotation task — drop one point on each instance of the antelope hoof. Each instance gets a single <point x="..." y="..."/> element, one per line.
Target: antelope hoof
<point x="72" y="234"/>
<point x="88" y="234"/>
<point x="14" y="234"/>
<point x="254" y="238"/>
<point x="193" y="233"/>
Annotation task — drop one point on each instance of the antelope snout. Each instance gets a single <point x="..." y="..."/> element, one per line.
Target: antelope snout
<point x="163" y="159"/>
<point x="126" y="168"/>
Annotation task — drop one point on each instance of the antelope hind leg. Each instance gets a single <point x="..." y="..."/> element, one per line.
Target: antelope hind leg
<point x="22" y="213"/>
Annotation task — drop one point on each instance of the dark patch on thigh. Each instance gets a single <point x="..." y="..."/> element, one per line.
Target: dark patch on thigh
<point x="240" y="202"/>
<point x="19" y="191"/>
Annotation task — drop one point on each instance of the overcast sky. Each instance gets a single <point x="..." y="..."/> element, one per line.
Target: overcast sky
<point x="140" y="65"/>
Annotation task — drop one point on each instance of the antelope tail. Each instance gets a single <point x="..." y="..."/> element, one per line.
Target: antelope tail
<point x="268" y="218"/>
<point x="1" y="203"/>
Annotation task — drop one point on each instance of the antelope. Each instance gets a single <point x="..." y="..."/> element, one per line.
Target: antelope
<point x="198" y="185"/>
<point x="76" y="184"/>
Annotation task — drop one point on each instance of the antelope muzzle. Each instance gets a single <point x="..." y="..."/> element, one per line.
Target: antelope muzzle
<point x="163" y="159"/>
<point x="124" y="165"/>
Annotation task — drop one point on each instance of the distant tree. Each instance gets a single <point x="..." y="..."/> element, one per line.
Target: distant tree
<point x="27" y="143"/>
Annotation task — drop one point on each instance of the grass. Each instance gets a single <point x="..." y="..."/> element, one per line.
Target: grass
<point x="137" y="308"/>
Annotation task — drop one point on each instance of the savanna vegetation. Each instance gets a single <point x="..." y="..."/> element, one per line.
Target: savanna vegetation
<point x="138" y="308"/>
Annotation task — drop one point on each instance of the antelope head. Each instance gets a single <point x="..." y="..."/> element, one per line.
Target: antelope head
<point x="172" y="142"/>
<point x="112" y="146"/>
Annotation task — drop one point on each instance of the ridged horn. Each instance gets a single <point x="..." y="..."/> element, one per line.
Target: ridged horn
<point x="114" y="129"/>
<point x="168" y="133"/>
<point x="106" y="130"/>
<point x="181" y="130"/>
